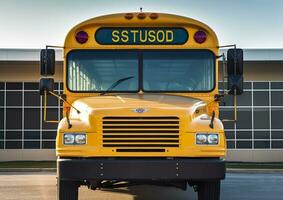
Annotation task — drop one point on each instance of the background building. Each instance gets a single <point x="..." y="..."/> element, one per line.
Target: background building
<point x="258" y="135"/>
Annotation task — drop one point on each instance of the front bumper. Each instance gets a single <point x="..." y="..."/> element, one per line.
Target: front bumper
<point x="140" y="169"/>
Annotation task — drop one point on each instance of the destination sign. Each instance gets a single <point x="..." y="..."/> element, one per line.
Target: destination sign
<point x="141" y="36"/>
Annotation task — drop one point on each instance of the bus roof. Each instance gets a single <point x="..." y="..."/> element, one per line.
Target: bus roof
<point x="120" y="20"/>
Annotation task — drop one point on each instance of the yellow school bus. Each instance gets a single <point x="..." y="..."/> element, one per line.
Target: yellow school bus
<point x="141" y="104"/>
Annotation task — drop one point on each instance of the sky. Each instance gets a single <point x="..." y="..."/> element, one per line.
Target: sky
<point x="36" y="23"/>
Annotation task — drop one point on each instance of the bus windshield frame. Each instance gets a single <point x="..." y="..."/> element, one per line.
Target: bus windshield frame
<point x="140" y="79"/>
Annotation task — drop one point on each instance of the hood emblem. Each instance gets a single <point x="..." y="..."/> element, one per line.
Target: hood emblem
<point x="140" y="110"/>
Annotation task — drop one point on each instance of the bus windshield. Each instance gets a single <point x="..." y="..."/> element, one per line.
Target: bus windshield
<point x="150" y="71"/>
<point x="96" y="71"/>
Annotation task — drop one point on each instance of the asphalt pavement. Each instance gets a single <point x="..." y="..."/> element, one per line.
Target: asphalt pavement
<point x="237" y="186"/>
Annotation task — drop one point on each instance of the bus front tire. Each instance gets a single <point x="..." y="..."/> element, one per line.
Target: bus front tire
<point x="209" y="190"/>
<point x="67" y="190"/>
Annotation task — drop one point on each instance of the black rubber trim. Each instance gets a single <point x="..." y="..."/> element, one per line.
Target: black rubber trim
<point x="141" y="169"/>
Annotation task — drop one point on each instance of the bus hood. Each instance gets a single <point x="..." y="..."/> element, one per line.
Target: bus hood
<point x="93" y="109"/>
<point x="134" y="102"/>
<point x="137" y="104"/>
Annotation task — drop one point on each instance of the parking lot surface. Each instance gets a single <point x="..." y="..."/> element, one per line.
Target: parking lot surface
<point x="237" y="186"/>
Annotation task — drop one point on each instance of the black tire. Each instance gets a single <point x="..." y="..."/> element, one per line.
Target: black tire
<point x="209" y="190"/>
<point x="67" y="190"/>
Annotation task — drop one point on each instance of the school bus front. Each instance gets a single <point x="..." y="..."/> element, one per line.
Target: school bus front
<point x="142" y="90"/>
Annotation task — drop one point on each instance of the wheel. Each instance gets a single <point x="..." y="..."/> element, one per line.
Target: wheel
<point x="67" y="190"/>
<point x="209" y="190"/>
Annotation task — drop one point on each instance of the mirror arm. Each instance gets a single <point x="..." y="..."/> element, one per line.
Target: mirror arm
<point x="52" y="46"/>
<point x="68" y="119"/>
<point x="211" y="125"/>
<point x="235" y="110"/>
<point x="218" y="97"/>
<point x="59" y="97"/>
<point x="226" y="46"/>
<point x="45" y="110"/>
<point x="224" y="66"/>
<point x="235" y="106"/>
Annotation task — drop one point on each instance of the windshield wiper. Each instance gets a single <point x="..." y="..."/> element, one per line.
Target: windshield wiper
<point x="116" y="83"/>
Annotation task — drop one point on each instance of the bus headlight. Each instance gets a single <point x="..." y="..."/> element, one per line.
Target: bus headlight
<point x="80" y="139"/>
<point x="74" y="139"/>
<point x="69" y="139"/>
<point x="212" y="139"/>
<point x="207" y="138"/>
<point x="201" y="139"/>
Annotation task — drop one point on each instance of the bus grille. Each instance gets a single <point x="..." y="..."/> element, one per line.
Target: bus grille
<point x="140" y="134"/>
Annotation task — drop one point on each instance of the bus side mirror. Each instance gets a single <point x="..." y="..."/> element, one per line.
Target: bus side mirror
<point x="47" y="62"/>
<point x="46" y="85"/>
<point x="235" y="71"/>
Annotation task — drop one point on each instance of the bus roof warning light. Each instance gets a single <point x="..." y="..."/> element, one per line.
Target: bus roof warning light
<point x="81" y="37"/>
<point x="200" y="37"/>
